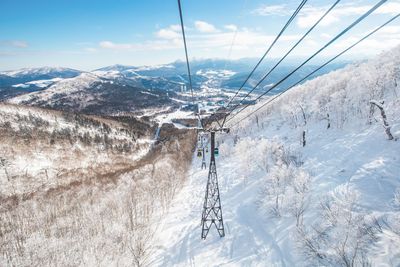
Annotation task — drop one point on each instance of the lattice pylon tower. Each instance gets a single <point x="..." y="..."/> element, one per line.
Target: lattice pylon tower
<point x="203" y="161"/>
<point x="212" y="210"/>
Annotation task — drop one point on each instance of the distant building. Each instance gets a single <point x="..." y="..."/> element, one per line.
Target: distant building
<point x="183" y="88"/>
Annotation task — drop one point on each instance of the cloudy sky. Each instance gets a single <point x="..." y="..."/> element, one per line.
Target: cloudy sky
<point x="88" y="34"/>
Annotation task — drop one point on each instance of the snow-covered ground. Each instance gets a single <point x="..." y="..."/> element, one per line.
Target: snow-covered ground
<point x="310" y="180"/>
<point x="38" y="83"/>
<point x="66" y="86"/>
<point x="329" y="203"/>
<point x="256" y="239"/>
<point x="30" y="161"/>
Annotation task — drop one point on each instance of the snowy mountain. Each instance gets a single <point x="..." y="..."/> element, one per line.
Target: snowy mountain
<point x="42" y="144"/>
<point x="331" y="198"/>
<point x="42" y="73"/>
<point x="27" y="80"/>
<point x="169" y="77"/>
<point x="310" y="180"/>
<point x="93" y="94"/>
<point x="73" y="182"/>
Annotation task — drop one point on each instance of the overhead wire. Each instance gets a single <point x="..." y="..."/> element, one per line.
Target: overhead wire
<point x="287" y="53"/>
<point x="302" y="3"/>
<point x="200" y="124"/>
<point x="186" y="50"/>
<point x="316" y="70"/>
<point x="361" y="18"/>
<point x="234" y="38"/>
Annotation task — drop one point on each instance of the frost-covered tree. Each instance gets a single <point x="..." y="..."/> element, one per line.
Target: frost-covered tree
<point x="384" y="118"/>
<point x="298" y="200"/>
<point x="303" y="139"/>
<point x="273" y="193"/>
<point x="342" y="236"/>
<point x="286" y="191"/>
<point x="396" y="198"/>
<point x="393" y="221"/>
<point x="4" y="165"/>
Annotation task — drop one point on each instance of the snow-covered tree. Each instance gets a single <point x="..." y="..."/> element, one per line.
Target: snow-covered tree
<point x="384" y="118"/>
<point x="396" y="198"/>
<point x="299" y="199"/>
<point x="342" y="236"/>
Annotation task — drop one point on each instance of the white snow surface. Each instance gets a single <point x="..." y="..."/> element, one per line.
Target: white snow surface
<point x="352" y="155"/>
<point x="65" y="86"/>
<point x="39" y="83"/>
<point x="29" y="71"/>
<point x="40" y="157"/>
<point x="178" y="114"/>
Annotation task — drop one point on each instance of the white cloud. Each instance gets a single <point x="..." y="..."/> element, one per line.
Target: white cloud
<point x="205" y="27"/>
<point x="171" y="32"/>
<point x="167" y="34"/>
<point x="14" y="43"/>
<point x="268" y="10"/>
<point x="231" y="27"/>
<point x="310" y="15"/>
<point x="111" y="45"/>
<point x="390" y="29"/>
<point x="210" y="41"/>
<point x="158" y="44"/>
<point x="175" y="27"/>
<point x="326" y="35"/>
<point x="90" y="49"/>
<point x="389" y="8"/>
<point x="19" y="44"/>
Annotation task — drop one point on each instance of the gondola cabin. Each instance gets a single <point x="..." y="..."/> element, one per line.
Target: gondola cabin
<point x="199" y="153"/>
<point x="216" y="151"/>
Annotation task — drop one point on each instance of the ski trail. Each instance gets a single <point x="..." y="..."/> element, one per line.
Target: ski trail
<point x="179" y="226"/>
<point x="247" y="241"/>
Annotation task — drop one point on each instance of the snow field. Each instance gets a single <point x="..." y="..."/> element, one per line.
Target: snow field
<point x="344" y="181"/>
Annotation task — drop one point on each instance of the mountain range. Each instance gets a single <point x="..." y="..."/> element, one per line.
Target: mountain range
<point x="61" y="87"/>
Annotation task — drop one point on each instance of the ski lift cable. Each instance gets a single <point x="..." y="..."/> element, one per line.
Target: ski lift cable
<point x="287" y="53"/>
<point x="293" y="16"/>
<point x="364" y="16"/>
<point x="186" y="50"/>
<point x="234" y="38"/>
<point x="200" y="124"/>
<point x="316" y="70"/>
<point x="270" y="47"/>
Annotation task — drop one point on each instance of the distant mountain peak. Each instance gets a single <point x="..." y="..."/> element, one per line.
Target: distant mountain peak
<point x="116" y="67"/>
<point x="39" y="71"/>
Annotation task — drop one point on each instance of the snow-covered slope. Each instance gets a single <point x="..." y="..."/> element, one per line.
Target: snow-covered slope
<point x="78" y="190"/>
<point x="90" y="93"/>
<point x="18" y="82"/>
<point x="28" y="76"/>
<point x="38" y="144"/>
<point x="67" y="87"/>
<point x="332" y="202"/>
<point x="33" y="72"/>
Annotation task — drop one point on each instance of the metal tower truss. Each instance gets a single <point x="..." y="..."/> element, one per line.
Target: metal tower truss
<point x="212" y="211"/>
<point x="202" y="146"/>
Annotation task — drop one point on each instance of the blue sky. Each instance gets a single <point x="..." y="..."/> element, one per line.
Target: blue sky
<point x="88" y="34"/>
